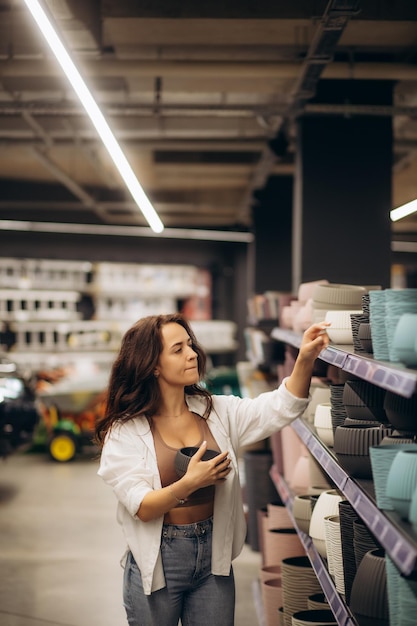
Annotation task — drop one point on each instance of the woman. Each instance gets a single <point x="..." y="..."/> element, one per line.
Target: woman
<point x="183" y="533"/>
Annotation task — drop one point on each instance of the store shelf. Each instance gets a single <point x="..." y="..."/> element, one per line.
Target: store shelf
<point x="401" y="546"/>
<point x="336" y="602"/>
<point x="390" y="376"/>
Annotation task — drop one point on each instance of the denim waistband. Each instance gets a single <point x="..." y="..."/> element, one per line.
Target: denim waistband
<point x="187" y="530"/>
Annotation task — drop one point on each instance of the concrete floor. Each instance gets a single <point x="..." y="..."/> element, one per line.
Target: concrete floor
<point x="60" y="547"/>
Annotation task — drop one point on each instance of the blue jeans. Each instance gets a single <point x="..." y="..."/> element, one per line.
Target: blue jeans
<point x="192" y="593"/>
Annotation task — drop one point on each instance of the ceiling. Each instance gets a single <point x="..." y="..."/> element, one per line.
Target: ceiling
<point x="193" y="91"/>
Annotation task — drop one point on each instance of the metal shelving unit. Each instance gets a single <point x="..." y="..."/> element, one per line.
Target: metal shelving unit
<point x="394" y="535"/>
<point x="390" y="376"/>
<point x="336" y="602"/>
<point x="401" y="546"/>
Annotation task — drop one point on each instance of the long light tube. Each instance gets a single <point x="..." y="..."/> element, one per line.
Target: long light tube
<point x="95" y="115"/>
<point x="403" y="211"/>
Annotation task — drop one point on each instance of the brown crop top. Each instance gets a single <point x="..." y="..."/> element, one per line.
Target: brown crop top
<point x="165" y="456"/>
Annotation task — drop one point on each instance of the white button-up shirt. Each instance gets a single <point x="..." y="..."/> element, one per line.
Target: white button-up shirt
<point x="128" y="464"/>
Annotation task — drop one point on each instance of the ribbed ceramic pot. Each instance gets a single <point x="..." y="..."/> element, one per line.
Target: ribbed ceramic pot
<point x="364" y="401"/>
<point x="278" y="516"/>
<point x="323" y="423"/>
<point x="340" y="329"/>
<point x="319" y="394"/>
<point x="327" y="504"/>
<point x="314" y="617"/>
<point x="402" y="481"/>
<point x="393" y="591"/>
<point x="396" y="437"/>
<point x="351" y="446"/>
<point x="299" y="581"/>
<point x="337" y="407"/>
<point x="401" y="412"/>
<point x="347" y="515"/>
<point x="271" y="591"/>
<point x="281" y="543"/>
<point x="317" y="601"/>
<point x="404" y="342"/>
<point x="302" y="508"/>
<point x="268" y="572"/>
<point x="356" y="319"/>
<point x="363" y="541"/>
<point x="349" y="421"/>
<point x="382" y="457"/>
<point x="342" y="296"/>
<point x="377" y="316"/>
<point x="334" y="551"/>
<point x="369" y="598"/>
<point x="407" y="592"/>
<point x="365" y="337"/>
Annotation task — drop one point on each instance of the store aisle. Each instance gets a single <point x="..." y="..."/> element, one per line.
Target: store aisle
<point x="60" y="547"/>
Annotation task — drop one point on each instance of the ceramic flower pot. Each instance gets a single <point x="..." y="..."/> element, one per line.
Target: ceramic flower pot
<point x="365" y="337"/>
<point x="183" y="456"/>
<point x="334" y="551"/>
<point x="268" y="572"/>
<point x="369" y="598"/>
<point x="404" y="342"/>
<point x="351" y="446"/>
<point x="382" y="457"/>
<point x="347" y="516"/>
<point x="313" y="617"/>
<point x="259" y="489"/>
<point x="323" y="423"/>
<point x="327" y="504"/>
<point x="318" y="601"/>
<point x="402" y="481"/>
<point x="302" y="508"/>
<point x="365" y="401"/>
<point x="271" y="591"/>
<point x="281" y="543"/>
<point x="401" y="412"/>
<point x="299" y="581"/>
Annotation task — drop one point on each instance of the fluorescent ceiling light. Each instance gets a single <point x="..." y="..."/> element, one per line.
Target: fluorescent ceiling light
<point x="403" y="211"/>
<point x="95" y="115"/>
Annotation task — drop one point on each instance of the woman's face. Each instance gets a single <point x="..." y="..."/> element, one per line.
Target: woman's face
<point x="177" y="361"/>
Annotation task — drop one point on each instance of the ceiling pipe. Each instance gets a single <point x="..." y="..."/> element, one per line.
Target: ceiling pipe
<point x="126" y="231"/>
<point x="14" y="68"/>
<point x="66" y="180"/>
<point x="145" y="110"/>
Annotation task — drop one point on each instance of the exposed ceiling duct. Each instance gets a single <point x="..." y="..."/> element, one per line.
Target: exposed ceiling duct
<point x="201" y="96"/>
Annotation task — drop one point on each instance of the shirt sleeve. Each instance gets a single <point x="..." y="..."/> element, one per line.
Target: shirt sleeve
<point x="123" y="466"/>
<point x="254" y="419"/>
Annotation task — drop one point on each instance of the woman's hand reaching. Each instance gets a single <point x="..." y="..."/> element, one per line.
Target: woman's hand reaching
<point x="315" y="339"/>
